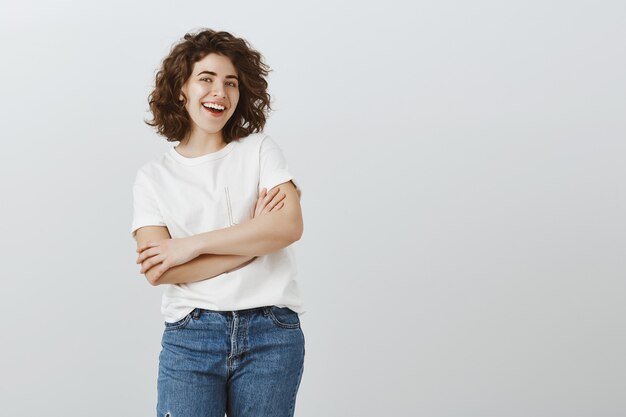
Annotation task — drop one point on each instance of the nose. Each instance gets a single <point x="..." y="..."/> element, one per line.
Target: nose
<point x="218" y="90"/>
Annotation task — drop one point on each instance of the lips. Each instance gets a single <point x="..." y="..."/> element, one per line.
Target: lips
<point x="219" y="103"/>
<point x="213" y="112"/>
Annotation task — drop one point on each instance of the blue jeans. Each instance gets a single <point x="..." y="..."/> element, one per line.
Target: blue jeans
<point x="245" y="363"/>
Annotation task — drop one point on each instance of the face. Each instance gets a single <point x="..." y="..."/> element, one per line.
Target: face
<point x="213" y="80"/>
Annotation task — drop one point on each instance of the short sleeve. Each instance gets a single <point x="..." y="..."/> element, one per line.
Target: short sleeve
<point x="274" y="167"/>
<point x="145" y="208"/>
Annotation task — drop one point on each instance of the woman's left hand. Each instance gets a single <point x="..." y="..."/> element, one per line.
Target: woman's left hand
<point x="166" y="252"/>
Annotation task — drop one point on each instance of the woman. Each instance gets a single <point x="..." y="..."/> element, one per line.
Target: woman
<point x="205" y="225"/>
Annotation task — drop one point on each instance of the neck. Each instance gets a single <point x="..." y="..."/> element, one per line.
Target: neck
<point x="197" y="144"/>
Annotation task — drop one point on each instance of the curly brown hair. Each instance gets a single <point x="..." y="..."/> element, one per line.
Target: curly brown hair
<point x="169" y="114"/>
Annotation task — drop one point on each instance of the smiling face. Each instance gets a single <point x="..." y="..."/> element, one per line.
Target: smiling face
<point x="213" y="80"/>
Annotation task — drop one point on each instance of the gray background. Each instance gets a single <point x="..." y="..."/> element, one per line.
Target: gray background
<point x="462" y="166"/>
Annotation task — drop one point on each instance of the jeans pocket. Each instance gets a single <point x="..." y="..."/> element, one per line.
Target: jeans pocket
<point x="180" y="324"/>
<point x="284" y="317"/>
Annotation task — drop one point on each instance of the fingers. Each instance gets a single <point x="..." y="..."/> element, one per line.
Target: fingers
<point x="269" y="201"/>
<point x="155" y="272"/>
<point x="145" y="246"/>
<point x="264" y="199"/>
<point x="146" y="264"/>
<point x="274" y="202"/>
<point x="145" y="254"/>
<point x="259" y="206"/>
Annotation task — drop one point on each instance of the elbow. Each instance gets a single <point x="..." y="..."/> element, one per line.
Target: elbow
<point x="299" y="232"/>
<point x="290" y="229"/>
<point x="296" y="232"/>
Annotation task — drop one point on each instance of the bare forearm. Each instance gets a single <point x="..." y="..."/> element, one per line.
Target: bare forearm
<point x="256" y="237"/>
<point x="203" y="267"/>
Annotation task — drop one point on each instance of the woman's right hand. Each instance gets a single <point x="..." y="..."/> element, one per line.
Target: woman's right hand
<point x="267" y="202"/>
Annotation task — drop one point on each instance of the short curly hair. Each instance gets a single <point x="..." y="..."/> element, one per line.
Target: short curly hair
<point x="169" y="114"/>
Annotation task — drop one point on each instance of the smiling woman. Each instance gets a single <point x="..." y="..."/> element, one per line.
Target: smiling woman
<point x="210" y="93"/>
<point x="210" y="231"/>
<point x="237" y="67"/>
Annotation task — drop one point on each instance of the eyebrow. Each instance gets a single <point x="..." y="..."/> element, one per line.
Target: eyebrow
<point x="213" y="73"/>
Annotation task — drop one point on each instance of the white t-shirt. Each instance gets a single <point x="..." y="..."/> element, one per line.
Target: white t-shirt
<point x="210" y="192"/>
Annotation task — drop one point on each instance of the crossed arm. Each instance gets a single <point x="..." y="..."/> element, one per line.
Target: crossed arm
<point x="228" y="249"/>
<point x="200" y="268"/>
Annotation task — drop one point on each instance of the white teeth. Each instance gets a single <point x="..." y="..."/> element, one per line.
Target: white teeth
<point x="214" y="106"/>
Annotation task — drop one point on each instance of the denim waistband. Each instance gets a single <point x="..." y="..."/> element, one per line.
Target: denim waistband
<point x="197" y="311"/>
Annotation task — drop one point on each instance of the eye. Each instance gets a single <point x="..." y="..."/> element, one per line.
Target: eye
<point x="232" y="84"/>
<point x="202" y="79"/>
